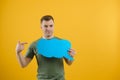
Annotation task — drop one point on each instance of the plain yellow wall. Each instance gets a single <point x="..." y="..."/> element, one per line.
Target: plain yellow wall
<point x="92" y="26"/>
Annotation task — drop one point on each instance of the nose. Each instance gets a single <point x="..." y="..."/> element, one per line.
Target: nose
<point x="48" y="28"/>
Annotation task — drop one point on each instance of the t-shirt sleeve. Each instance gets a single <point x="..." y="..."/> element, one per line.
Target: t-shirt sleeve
<point x="30" y="52"/>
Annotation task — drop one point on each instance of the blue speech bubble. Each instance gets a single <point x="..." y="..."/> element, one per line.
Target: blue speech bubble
<point x="54" y="47"/>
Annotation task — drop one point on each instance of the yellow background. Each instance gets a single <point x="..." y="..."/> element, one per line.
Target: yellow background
<point x="92" y="26"/>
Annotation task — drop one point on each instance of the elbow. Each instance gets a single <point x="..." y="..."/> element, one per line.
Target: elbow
<point x="70" y="63"/>
<point x="22" y="66"/>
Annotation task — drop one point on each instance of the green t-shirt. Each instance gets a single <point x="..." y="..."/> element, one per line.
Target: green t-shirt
<point x="48" y="68"/>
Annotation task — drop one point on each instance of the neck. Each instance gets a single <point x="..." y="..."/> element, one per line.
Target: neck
<point x="48" y="37"/>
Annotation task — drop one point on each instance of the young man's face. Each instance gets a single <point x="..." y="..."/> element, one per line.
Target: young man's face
<point x="47" y="28"/>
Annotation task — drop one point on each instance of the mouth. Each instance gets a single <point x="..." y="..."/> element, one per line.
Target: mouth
<point x="48" y="32"/>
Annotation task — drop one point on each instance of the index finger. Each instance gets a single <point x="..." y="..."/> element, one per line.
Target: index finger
<point x="24" y="43"/>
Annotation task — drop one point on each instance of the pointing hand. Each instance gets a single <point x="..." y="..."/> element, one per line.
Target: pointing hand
<point x="20" y="46"/>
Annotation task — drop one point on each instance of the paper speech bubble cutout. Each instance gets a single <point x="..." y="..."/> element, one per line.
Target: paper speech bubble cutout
<point x="54" y="47"/>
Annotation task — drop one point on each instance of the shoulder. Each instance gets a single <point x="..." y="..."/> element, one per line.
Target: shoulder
<point x="63" y="39"/>
<point x="58" y="38"/>
<point x="33" y="44"/>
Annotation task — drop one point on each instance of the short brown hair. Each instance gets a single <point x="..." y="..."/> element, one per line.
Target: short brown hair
<point x="47" y="18"/>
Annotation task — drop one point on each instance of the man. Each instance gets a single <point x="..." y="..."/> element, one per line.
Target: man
<point x="48" y="68"/>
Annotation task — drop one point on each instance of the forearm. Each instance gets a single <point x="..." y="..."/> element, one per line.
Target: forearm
<point x="71" y="52"/>
<point x="69" y="62"/>
<point x="21" y="60"/>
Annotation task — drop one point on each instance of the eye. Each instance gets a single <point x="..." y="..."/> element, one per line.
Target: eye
<point x="45" y="26"/>
<point x="51" y="25"/>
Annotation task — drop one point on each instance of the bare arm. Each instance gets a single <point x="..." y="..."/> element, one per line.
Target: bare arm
<point x="24" y="61"/>
<point x="72" y="54"/>
<point x="68" y="61"/>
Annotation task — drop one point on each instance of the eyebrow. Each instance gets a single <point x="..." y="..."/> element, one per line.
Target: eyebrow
<point x="51" y="25"/>
<point x="45" y="25"/>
